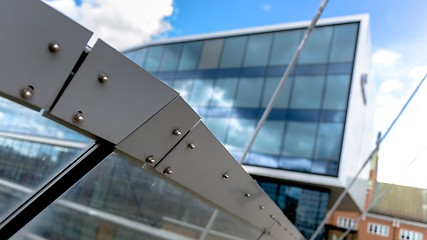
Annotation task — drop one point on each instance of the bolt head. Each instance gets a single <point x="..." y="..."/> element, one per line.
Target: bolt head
<point x="176" y="132"/>
<point x="247" y="195"/>
<point x="225" y="176"/>
<point x="273" y="217"/>
<point x="78" y="117"/>
<point x="261" y="207"/>
<point x="150" y="160"/>
<point x="103" y="78"/>
<point x="27" y="92"/>
<point x="167" y="171"/>
<point x="191" y="146"/>
<point x="54" y="47"/>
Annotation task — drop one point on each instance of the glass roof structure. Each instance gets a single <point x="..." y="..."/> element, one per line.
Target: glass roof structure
<point x="134" y="161"/>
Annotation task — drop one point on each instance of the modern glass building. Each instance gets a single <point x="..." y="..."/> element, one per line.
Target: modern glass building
<point x="319" y="130"/>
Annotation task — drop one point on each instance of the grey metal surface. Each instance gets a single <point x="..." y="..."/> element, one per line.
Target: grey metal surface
<point x="210" y="171"/>
<point x="158" y="135"/>
<point x="115" y="108"/>
<point x="27" y="28"/>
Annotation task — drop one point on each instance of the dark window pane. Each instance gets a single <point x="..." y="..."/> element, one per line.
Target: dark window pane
<point x="316" y="50"/>
<point x="344" y="43"/>
<point x="210" y="54"/>
<point x="154" y="56"/>
<point x="282" y="101"/>
<point x="224" y="92"/>
<point x="299" y="139"/>
<point x="219" y="127"/>
<point x="269" y="138"/>
<point x="329" y="143"/>
<point x="307" y="92"/>
<point x="201" y="92"/>
<point x="239" y="133"/>
<point x="171" y="57"/>
<point x="336" y="93"/>
<point x="184" y="88"/>
<point x="190" y="56"/>
<point x="232" y="55"/>
<point x="258" y="50"/>
<point x="284" y="46"/>
<point x="249" y="92"/>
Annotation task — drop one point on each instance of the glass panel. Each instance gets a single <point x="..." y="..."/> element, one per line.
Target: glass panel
<point x="201" y="93"/>
<point x="224" y="91"/>
<point x="225" y="227"/>
<point x="218" y="127"/>
<point x="190" y="56"/>
<point x="344" y="43"/>
<point x="27" y="162"/>
<point x="258" y="50"/>
<point x="137" y="56"/>
<point x="282" y="101"/>
<point x="284" y="46"/>
<point x="184" y="87"/>
<point x="329" y="141"/>
<point x="336" y="93"/>
<point x="299" y="139"/>
<point x="118" y="200"/>
<point x="239" y="133"/>
<point x="249" y="92"/>
<point x="154" y="57"/>
<point x="211" y="53"/>
<point x="171" y="57"/>
<point x="316" y="50"/>
<point x="269" y="138"/>
<point x="232" y="55"/>
<point x="307" y="92"/>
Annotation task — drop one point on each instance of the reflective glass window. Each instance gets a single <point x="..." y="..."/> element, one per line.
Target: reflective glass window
<point x="316" y="50"/>
<point x="171" y="57"/>
<point x="201" y="92"/>
<point x="344" y="43"/>
<point x="269" y="138"/>
<point x="210" y="54"/>
<point x="239" y="133"/>
<point x="329" y="141"/>
<point x="117" y="200"/>
<point x="258" y="50"/>
<point x="284" y="46"/>
<point x="336" y="92"/>
<point x="300" y="138"/>
<point x="249" y="92"/>
<point x="183" y="86"/>
<point x="137" y="56"/>
<point x="190" y="55"/>
<point x="232" y="55"/>
<point x="282" y="101"/>
<point x="307" y="92"/>
<point x="154" y="57"/>
<point x="224" y="92"/>
<point x="218" y="126"/>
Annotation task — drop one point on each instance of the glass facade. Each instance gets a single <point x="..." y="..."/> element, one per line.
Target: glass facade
<point x="230" y="80"/>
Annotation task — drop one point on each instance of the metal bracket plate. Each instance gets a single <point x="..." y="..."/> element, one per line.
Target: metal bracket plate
<point x="29" y="57"/>
<point x="110" y="96"/>
<point x="161" y="133"/>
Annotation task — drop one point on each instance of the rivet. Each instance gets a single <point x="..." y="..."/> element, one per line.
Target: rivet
<point x="225" y="176"/>
<point x="273" y="217"/>
<point x="247" y="194"/>
<point x="150" y="159"/>
<point x="54" y="47"/>
<point x="280" y="223"/>
<point x="191" y="146"/>
<point x="27" y="92"/>
<point x="78" y="117"/>
<point x="176" y="132"/>
<point x="167" y="171"/>
<point x="261" y="207"/>
<point x="103" y="78"/>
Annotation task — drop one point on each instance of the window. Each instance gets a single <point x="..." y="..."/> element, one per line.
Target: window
<point x="284" y="46"/>
<point x="347" y="222"/>
<point x="344" y="43"/>
<point x="410" y="235"/>
<point x="154" y="56"/>
<point x="378" y="229"/>
<point x="171" y="57"/>
<point x="328" y="143"/>
<point x="258" y="50"/>
<point x="336" y="92"/>
<point x="224" y="91"/>
<point x="232" y="55"/>
<point x="282" y="101"/>
<point x="316" y="50"/>
<point x="249" y="92"/>
<point x="307" y="92"/>
<point x="201" y="92"/>
<point x="269" y="138"/>
<point x="211" y="53"/>
<point x="190" y="56"/>
<point x="300" y="139"/>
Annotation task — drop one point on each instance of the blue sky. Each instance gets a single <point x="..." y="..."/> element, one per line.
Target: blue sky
<point x="398" y="37"/>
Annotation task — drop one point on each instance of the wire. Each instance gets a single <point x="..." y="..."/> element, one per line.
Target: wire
<point x="344" y="192"/>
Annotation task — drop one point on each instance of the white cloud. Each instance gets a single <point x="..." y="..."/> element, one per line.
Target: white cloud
<point x="390" y="86"/>
<point x="122" y="24"/>
<point x="385" y="58"/>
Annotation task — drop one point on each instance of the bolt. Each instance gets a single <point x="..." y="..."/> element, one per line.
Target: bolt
<point x="225" y="176"/>
<point x="103" y="78"/>
<point x="54" y="47"/>
<point x="261" y="207"/>
<point x="176" y="132"/>
<point x="27" y="92"/>
<point x="150" y="160"/>
<point x="78" y="117"/>
<point x="167" y="170"/>
<point x="273" y="217"/>
<point x="191" y="146"/>
<point x="247" y="195"/>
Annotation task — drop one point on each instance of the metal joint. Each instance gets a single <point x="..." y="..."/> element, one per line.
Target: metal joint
<point x="27" y="92"/>
<point x="54" y="47"/>
<point x="78" y="117"/>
